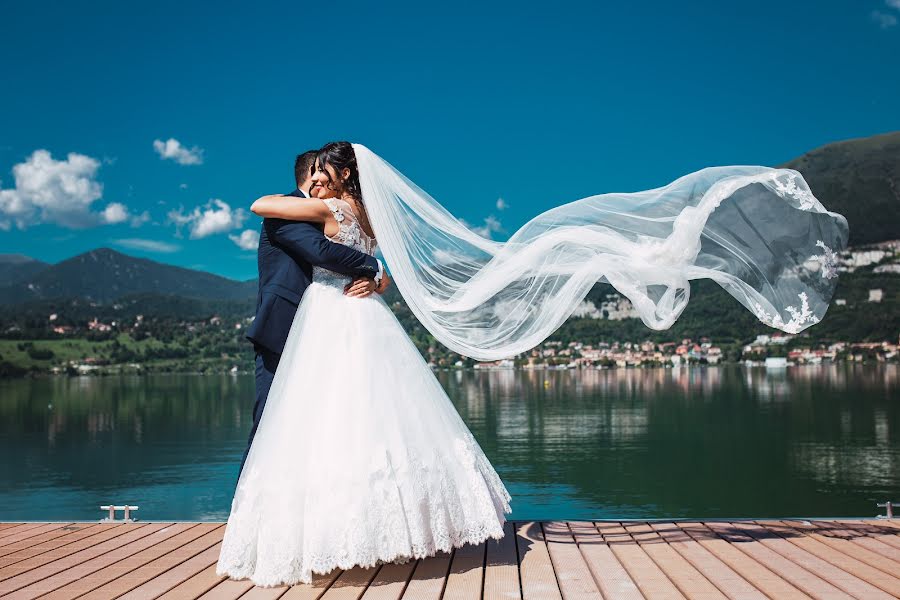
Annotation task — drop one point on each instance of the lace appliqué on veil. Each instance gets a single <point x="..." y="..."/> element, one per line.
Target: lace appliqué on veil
<point x="790" y="189"/>
<point x="798" y="317"/>
<point x="828" y="261"/>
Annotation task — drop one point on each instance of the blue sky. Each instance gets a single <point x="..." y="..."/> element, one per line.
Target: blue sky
<point x="537" y="105"/>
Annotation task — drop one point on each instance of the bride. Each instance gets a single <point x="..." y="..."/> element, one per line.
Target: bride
<point x="360" y="457"/>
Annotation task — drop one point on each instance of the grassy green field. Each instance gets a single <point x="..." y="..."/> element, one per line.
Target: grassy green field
<point x="43" y="355"/>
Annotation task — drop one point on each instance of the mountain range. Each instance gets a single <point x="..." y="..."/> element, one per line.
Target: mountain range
<point x="105" y="275"/>
<point x="858" y="178"/>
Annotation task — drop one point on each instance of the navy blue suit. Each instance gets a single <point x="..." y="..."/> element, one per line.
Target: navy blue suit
<point x="287" y="252"/>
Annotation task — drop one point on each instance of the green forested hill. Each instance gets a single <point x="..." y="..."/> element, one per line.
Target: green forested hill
<point x="860" y="179"/>
<point x="16" y="267"/>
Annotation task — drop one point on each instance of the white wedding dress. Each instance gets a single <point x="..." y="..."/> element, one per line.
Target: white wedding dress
<point x="360" y="457"/>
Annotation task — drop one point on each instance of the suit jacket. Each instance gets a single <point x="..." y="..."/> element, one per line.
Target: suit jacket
<point x="287" y="252"/>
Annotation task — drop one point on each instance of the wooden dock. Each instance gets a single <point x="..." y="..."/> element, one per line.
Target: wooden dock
<point x="570" y="560"/>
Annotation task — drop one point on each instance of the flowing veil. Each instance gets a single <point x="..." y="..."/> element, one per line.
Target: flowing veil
<point x="757" y="231"/>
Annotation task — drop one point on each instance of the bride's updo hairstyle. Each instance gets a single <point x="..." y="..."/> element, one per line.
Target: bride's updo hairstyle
<point x="340" y="156"/>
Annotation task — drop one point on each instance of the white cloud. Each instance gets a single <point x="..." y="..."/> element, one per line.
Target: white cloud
<point x="172" y="149"/>
<point x="147" y="245"/>
<point x="247" y="240"/>
<point x="491" y="225"/>
<point x="215" y="217"/>
<point x="115" y="212"/>
<point x="502" y="204"/>
<point x="884" y="20"/>
<point x="893" y="3"/>
<point x="55" y="191"/>
<point x="138" y="220"/>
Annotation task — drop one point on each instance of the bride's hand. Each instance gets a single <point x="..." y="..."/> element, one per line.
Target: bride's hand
<point x="361" y="287"/>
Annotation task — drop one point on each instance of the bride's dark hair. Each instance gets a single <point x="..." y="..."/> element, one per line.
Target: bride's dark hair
<point x="340" y="155"/>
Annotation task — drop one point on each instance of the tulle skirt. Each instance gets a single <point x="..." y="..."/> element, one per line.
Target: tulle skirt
<point x="360" y="457"/>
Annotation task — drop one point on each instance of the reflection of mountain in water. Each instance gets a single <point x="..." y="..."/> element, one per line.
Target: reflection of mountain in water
<point x="700" y="442"/>
<point x="652" y="440"/>
<point x="172" y="442"/>
<point x="864" y="456"/>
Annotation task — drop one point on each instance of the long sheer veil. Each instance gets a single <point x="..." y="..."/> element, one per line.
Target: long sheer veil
<point x="757" y="231"/>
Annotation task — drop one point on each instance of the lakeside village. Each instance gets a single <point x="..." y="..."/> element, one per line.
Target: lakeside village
<point x="765" y="350"/>
<point x="770" y="350"/>
<point x="216" y="345"/>
<point x="67" y="344"/>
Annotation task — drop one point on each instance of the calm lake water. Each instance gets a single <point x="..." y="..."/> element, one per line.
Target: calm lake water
<point x="702" y="442"/>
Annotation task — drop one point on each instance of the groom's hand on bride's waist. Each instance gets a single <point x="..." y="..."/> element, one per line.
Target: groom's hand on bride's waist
<point x="364" y="286"/>
<point x="360" y="287"/>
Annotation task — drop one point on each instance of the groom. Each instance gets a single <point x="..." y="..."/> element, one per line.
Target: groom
<point x="285" y="258"/>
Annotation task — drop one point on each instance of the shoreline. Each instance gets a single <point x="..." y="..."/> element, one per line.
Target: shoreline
<point x="477" y="368"/>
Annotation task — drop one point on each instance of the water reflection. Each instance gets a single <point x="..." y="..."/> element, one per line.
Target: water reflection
<point x="817" y="440"/>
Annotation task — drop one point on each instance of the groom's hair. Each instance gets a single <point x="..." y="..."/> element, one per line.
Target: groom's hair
<point x="303" y="166"/>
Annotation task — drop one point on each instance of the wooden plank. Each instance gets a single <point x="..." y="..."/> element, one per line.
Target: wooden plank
<point x="837" y="534"/>
<point x="535" y="566"/>
<point x="50" y="539"/>
<point x="427" y="582"/>
<point x="807" y="581"/>
<point x="25" y="527"/>
<point x="42" y="554"/>
<point x="228" y="589"/>
<point x="612" y="578"/>
<point x="662" y="556"/>
<point x="167" y="556"/>
<point x="839" y="578"/>
<point x="82" y="564"/>
<point x="501" y="567"/>
<point x="555" y="559"/>
<point x="266" y="593"/>
<point x="572" y="573"/>
<point x="712" y="567"/>
<point x="754" y="572"/>
<point x="174" y="577"/>
<point x="17" y="535"/>
<point x="840" y="560"/>
<point x="884" y="534"/>
<point x="680" y="572"/>
<point x="196" y="586"/>
<point x="314" y="590"/>
<point x="650" y="579"/>
<point x="48" y="564"/>
<point x="114" y="570"/>
<point x="466" y="573"/>
<point x="390" y="582"/>
<point x="351" y="584"/>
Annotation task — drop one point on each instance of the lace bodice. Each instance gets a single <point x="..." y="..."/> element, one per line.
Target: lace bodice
<point x="350" y="234"/>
